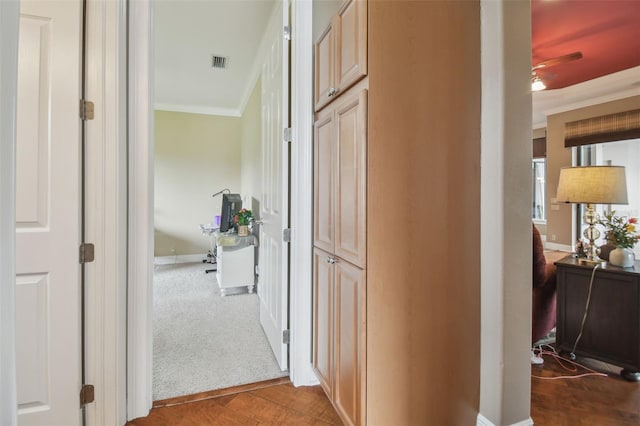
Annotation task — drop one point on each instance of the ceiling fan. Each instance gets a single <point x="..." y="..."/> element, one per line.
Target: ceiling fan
<point x="536" y="82"/>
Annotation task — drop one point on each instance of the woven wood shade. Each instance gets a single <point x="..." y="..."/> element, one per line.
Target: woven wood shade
<point x="607" y="128"/>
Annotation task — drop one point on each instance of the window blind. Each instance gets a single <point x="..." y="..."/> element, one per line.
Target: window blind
<point x="606" y="128"/>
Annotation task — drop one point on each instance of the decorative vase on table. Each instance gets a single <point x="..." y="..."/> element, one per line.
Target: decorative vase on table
<point x="622" y="256"/>
<point x="621" y="232"/>
<point x="243" y="230"/>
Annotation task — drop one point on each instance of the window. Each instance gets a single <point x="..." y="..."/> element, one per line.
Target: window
<point x="538" y="168"/>
<point x="621" y="153"/>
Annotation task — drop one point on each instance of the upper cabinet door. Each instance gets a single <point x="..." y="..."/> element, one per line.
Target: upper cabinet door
<point x="324" y="67"/>
<point x="350" y="27"/>
<point x="350" y="125"/>
<point x="324" y="152"/>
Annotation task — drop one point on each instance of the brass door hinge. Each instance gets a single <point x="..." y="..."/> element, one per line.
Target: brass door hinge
<point x="87" y="252"/>
<point x="86" y="110"/>
<point x="87" y="394"/>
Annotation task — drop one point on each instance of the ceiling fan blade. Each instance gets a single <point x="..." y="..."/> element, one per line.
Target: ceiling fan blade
<point x="558" y="60"/>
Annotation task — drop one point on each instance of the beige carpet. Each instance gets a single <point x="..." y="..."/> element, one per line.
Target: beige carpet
<point x="201" y="340"/>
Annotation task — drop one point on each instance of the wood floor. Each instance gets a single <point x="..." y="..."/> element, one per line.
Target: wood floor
<point x="587" y="401"/>
<point x="278" y="404"/>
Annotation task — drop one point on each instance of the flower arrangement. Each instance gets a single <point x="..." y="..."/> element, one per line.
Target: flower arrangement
<point x="243" y="217"/>
<point x="620" y="231"/>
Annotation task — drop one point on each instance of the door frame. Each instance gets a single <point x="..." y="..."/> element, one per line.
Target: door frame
<point x="9" y="18"/>
<point x="139" y="345"/>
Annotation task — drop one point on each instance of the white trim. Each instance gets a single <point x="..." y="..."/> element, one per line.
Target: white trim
<point x="180" y="258"/>
<point x="9" y="18"/>
<point x="139" y="334"/>
<point x="611" y="87"/>
<point x="198" y="109"/>
<point x="555" y="246"/>
<point x="483" y="421"/>
<point x="106" y="214"/>
<point x="301" y="201"/>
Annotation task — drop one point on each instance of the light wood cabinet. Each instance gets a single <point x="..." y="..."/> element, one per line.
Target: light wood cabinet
<point x="323" y="319"/>
<point x="340" y="143"/>
<point x="349" y="342"/>
<point x="339" y="334"/>
<point x="341" y="52"/>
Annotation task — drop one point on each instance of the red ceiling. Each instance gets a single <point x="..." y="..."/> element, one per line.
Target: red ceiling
<point x="607" y="32"/>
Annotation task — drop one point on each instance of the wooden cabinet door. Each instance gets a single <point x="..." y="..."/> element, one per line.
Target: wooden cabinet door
<point x="351" y="164"/>
<point x="350" y="343"/>
<point x="324" y="152"/>
<point x="324" y="53"/>
<point x="350" y="29"/>
<point x="323" y="274"/>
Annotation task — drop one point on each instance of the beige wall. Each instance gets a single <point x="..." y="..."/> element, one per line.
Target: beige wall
<point x="251" y="154"/>
<point x="559" y="217"/>
<point x="195" y="156"/>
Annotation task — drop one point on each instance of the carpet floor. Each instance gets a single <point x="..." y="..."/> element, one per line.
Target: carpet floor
<point x="201" y="340"/>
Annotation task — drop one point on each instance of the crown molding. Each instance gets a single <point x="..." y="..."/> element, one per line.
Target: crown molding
<point x="608" y="88"/>
<point x="198" y="109"/>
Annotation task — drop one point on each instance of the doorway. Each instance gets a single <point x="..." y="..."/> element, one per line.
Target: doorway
<point x="212" y="123"/>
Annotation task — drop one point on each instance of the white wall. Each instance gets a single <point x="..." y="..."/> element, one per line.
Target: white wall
<point x="505" y="383"/>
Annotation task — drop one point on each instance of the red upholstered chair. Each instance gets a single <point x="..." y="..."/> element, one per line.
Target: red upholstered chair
<point x="543" y="306"/>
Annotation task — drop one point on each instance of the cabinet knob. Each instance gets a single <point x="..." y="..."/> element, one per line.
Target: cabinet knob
<point x="332" y="260"/>
<point x="332" y="92"/>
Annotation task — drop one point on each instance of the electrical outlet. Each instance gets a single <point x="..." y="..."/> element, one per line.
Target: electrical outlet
<point x="553" y="237"/>
<point x="173" y="251"/>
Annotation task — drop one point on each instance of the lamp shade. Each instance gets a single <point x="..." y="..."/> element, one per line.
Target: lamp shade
<point x="592" y="185"/>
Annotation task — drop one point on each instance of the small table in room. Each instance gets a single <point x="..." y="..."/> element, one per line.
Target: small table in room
<point x="612" y="329"/>
<point x="236" y="261"/>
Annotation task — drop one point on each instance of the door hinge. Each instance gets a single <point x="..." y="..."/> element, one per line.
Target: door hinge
<point x="286" y="235"/>
<point x="86" y="110"/>
<point x="286" y="134"/>
<point x="86" y="394"/>
<point x="285" y="337"/>
<point x="87" y="252"/>
<point x="287" y="32"/>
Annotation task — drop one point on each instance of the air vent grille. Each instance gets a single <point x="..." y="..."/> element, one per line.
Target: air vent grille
<point x="219" y="62"/>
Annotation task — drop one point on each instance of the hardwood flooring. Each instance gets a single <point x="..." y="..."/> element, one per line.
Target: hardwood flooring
<point x="586" y="401"/>
<point x="262" y="404"/>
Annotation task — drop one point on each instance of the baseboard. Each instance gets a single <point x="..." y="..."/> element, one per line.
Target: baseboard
<point x="483" y="421"/>
<point x="555" y="246"/>
<point x="180" y="258"/>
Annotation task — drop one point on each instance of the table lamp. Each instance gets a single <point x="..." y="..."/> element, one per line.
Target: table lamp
<point x="592" y="185"/>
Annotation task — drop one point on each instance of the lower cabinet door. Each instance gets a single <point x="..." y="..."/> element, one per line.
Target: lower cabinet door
<point x="349" y="341"/>
<point x="323" y="272"/>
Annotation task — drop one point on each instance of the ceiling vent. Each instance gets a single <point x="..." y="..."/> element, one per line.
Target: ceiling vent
<point x="219" y="62"/>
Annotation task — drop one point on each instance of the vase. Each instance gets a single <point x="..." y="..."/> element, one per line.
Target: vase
<point x="623" y="257"/>
<point x="243" y="230"/>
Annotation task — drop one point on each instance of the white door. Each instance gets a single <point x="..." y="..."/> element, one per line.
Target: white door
<point x="273" y="287"/>
<point x="48" y="354"/>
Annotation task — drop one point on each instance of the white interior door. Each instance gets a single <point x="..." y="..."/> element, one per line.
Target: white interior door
<point x="48" y="344"/>
<point x="273" y="287"/>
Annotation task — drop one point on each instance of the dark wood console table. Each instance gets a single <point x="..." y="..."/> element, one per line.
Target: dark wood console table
<point x="612" y="330"/>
